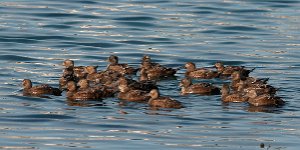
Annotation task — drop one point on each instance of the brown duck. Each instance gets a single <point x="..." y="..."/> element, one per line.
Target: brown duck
<point x="121" y="68"/>
<point x="228" y="70"/>
<point x="238" y="78"/>
<point x="258" y="88"/>
<point x="203" y="73"/>
<point x="78" y="71"/>
<point x="132" y="95"/>
<point x="162" y="102"/>
<point x="145" y="85"/>
<point x="264" y="99"/>
<point x="81" y="94"/>
<point x="232" y="97"/>
<point x="199" y="88"/>
<point x="153" y="72"/>
<point x="100" y="89"/>
<point x="108" y="77"/>
<point x="39" y="90"/>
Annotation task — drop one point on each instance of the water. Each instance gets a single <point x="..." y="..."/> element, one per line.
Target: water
<point x="35" y="37"/>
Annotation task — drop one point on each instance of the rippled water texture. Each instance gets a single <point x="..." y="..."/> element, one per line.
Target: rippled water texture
<point x="36" y="36"/>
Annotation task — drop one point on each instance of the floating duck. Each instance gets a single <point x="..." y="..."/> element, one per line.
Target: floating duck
<point x="121" y="68"/>
<point x="199" y="88"/>
<point x="162" y="102"/>
<point x="203" y="73"/>
<point x="82" y="94"/>
<point x="228" y="70"/>
<point x="232" y="97"/>
<point x="39" y="90"/>
<point x="264" y="99"/>
<point x="132" y="94"/>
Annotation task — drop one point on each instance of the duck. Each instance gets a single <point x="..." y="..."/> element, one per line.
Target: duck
<point x="264" y="99"/>
<point x="232" y="97"/>
<point x="260" y="89"/>
<point x="133" y="95"/>
<point x="145" y="85"/>
<point x="146" y="59"/>
<point x="202" y="73"/>
<point x="228" y="70"/>
<point x="162" y="102"/>
<point x="199" y="88"/>
<point x="74" y="93"/>
<point x="68" y="75"/>
<point x="103" y="91"/>
<point x="238" y="78"/>
<point x="121" y="68"/>
<point x="153" y="72"/>
<point x="39" y="90"/>
<point x="78" y="71"/>
<point x="107" y="77"/>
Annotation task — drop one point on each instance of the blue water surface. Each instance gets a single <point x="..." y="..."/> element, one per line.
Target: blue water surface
<point x="36" y="36"/>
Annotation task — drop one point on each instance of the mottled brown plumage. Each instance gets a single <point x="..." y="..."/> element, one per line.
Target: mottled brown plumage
<point x="39" y="90"/>
<point x="84" y="93"/>
<point x="203" y="73"/>
<point x="145" y="85"/>
<point x="228" y="70"/>
<point x="132" y="94"/>
<point x="232" y="97"/>
<point x="264" y="99"/>
<point x="121" y="68"/>
<point x="162" y="102"/>
<point x="199" y="88"/>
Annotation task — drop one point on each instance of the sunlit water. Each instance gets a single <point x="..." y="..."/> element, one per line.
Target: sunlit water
<point x="36" y="36"/>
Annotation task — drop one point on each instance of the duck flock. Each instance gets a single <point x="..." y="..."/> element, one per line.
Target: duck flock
<point x="83" y="83"/>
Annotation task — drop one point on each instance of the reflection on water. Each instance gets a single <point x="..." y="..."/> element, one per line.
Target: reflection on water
<point x="37" y="36"/>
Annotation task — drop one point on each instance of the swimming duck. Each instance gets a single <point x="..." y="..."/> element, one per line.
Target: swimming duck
<point x="121" y="68"/>
<point x="78" y="71"/>
<point x="260" y="89"/>
<point x="199" y="88"/>
<point x="193" y="72"/>
<point x="39" y="90"/>
<point x="107" y="77"/>
<point x="162" y="102"/>
<point x="264" y="99"/>
<point x="81" y="94"/>
<point x="146" y="60"/>
<point x="238" y="78"/>
<point x="232" y="97"/>
<point x="157" y="71"/>
<point x="145" y="85"/>
<point x="228" y="70"/>
<point x="132" y="94"/>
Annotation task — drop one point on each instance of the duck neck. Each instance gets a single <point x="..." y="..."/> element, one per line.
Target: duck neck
<point x="154" y="94"/>
<point x="225" y="91"/>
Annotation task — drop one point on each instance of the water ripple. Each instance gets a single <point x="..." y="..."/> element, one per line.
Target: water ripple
<point x="36" y="37"/>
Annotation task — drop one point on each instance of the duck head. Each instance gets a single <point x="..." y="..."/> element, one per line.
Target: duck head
<point x="219" y="66"/>
<point x="27" y="84"/>
<point x="190" y="66"/>
<point x="154" y="94"/>
<point x="113" y="60"/>
<point x="185" y="82"/>
<point x="68" y="63"/>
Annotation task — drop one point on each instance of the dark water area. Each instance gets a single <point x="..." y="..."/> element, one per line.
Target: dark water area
<point x="36" y="36"/>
